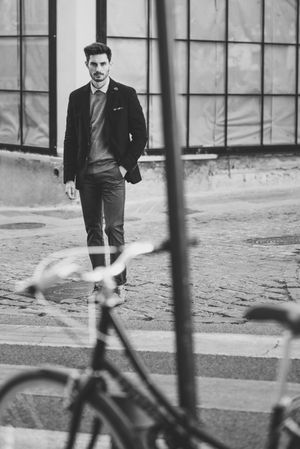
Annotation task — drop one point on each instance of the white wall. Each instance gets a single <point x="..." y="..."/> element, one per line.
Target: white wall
<point x="76" y="28"/>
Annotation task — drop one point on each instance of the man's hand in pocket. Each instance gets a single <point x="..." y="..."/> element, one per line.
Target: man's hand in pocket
<point x="70" y="190"/>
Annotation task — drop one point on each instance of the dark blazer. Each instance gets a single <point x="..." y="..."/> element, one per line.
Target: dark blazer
<point x="125" y="128"/>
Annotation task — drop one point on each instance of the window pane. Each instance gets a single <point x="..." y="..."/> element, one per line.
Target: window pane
<point x="156" y="138"/>
<point x="181" y="118"/>
<point x="36" y="120"/>
<point x="9" y="17"/>
<point x="244" y="120"/>
<point x="207" y="121"/>
<point x="129" y="59"/>
<point x="10" y="70"/>
<point x="180" y="19"/>
<point x="154" y="68"/>
<point x="180" y="76"/>
<point x="181" y="59"/>
<point x="9" y="118"/>
<point x="280" y="21"/>
<point x="245" y="20"/>
<point x="35" y="17"/>
<point x="143" y="101"/>
<point x="299" y="67"/>
<point x="298" y="120"/>
<point x="244" y="72"/>
<point x="279" y="120"/>
<point x="127" y="20"/>
<point x="35" y="64"/>
<point x="208" y="19"/>
<point x="279" y="69"/>
<point x="208" y="77"/>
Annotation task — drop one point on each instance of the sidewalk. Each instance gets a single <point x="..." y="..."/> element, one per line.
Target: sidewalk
<point x="245" y="256"/>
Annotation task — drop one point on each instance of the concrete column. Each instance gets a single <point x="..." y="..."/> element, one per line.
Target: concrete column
<point x="76" y="28"/>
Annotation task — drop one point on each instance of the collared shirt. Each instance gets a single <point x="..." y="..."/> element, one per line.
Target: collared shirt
<point x="100" y="158"/>
<point x="103" y="89"/>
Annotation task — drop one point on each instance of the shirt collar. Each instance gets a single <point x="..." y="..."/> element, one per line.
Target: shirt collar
<point x="103" y="89"/>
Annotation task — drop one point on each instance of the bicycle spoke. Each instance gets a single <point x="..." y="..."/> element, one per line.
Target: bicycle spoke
<point x="35" y="417"/>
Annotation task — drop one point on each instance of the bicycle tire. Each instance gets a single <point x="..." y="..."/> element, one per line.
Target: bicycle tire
<point x="26" y="419"/>
<point x="290" y="427"/>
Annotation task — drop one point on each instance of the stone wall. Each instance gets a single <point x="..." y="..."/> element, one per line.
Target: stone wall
<point x="34" y="180"/>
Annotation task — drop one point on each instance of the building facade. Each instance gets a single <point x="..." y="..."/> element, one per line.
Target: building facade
<point x="236" y="66"/>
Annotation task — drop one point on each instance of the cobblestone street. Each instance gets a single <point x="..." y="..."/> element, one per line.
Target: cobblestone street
<point x="246" y="254"/>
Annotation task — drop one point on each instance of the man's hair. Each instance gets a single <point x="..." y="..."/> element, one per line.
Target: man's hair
<point x="97" y="48"/>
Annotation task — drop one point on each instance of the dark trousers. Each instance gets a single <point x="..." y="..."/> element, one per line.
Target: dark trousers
<point x="101" y="195"/>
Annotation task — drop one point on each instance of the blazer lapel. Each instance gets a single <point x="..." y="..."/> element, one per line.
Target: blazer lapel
<point x="86" y="107"/>
<point x="112" y="98"/>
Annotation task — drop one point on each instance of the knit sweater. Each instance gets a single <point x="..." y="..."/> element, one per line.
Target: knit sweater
<point x="100" y="158"/>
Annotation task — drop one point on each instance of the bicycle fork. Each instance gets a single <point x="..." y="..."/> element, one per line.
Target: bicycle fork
<point x="281" y="400"/>
<point x="80" y="387"/>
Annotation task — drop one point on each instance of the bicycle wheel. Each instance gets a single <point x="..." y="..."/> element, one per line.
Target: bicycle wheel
<point x="290" y="428"/>
<point x="34" y="415"/>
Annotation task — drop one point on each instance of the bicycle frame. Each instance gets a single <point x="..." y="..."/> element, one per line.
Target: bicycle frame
<point x="174" y="422"/>
<point x="281" y="400"/>
<point x="168" y="414"/>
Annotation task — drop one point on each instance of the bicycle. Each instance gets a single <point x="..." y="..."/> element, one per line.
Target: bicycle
<point x="92" y="415"/>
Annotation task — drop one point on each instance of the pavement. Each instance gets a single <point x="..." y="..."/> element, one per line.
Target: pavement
<point x="248" y="241"/>
<point x="245" y="255"/>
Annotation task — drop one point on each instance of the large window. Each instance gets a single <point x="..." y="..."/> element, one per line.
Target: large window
<point x="237" y="68"/>
<point x="27" y="75"/>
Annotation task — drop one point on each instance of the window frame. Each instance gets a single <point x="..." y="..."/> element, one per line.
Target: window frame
<point x="51" y="149"/>
<point x="262" y="147"/>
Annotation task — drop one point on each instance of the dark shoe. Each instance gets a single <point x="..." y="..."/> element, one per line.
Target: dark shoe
<point x="120" y="292"/>
<point x="97" y="287"/>
<point x="93" y="295"/>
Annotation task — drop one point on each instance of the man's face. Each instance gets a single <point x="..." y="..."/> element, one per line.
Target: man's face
<point x="98" y="67"/>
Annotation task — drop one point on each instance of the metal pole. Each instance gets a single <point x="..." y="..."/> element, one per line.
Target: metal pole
<point x="52" y="11"/>
<point x="101" y="20"/>
<point x="174" y="172"/>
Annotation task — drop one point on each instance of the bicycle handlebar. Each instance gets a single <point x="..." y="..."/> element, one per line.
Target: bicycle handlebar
<point x="47" y="278"/>
<point x="129" y="252"/>
<point x="44" y="277"/>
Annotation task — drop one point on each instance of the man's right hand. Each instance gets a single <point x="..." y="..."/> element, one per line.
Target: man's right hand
<point x="70" y="190"/>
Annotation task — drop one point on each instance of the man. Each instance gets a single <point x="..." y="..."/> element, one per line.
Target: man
<point x="105" y="136"/>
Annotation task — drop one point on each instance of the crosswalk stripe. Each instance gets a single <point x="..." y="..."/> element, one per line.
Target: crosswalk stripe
<point x="226" y="394"/>
<point x="244" y="345"/>
<point x="234" y="372"/>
